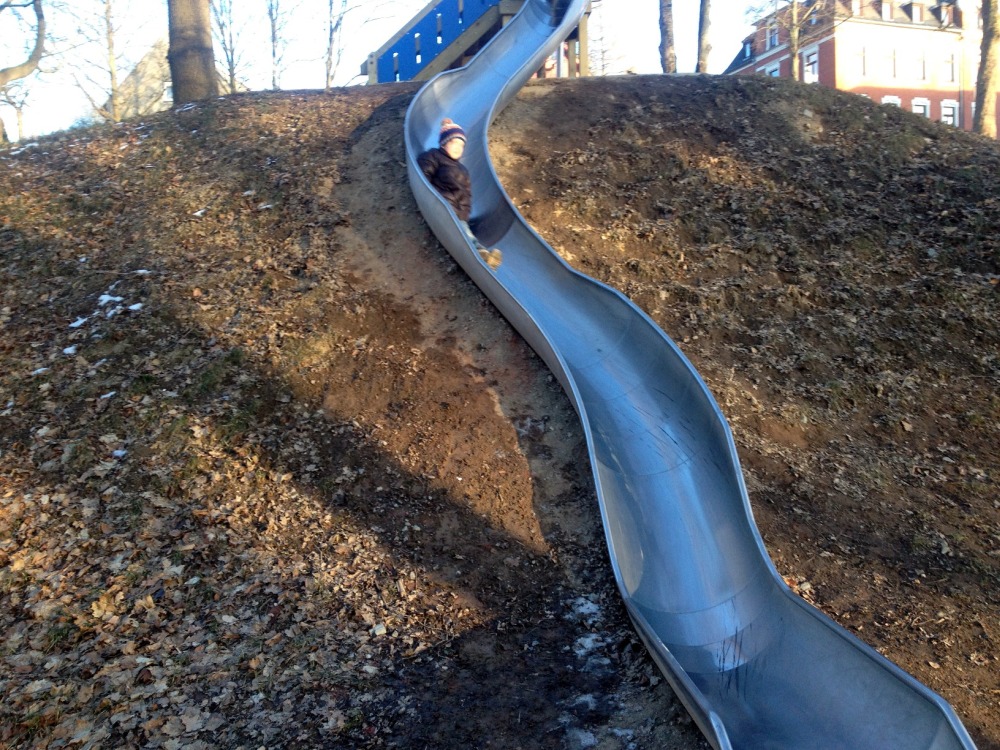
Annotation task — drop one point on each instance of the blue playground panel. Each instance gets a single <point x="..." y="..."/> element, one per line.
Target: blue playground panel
<point x="432" y="34"/>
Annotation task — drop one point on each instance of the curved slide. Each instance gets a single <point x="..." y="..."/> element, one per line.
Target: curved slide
<point x="755" y="665"/>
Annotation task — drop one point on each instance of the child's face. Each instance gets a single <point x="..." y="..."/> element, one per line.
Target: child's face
<point x="454" y="148"/>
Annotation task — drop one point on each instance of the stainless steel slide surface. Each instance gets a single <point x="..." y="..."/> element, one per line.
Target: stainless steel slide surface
<point x="756" y="666"/>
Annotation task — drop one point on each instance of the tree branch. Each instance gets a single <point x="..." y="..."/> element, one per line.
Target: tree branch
<point x="28" y="66"/>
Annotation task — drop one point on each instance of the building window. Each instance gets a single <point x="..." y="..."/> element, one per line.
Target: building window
<point x="810" y="67"/>
<point x="772" y="37"/>
<point x="886" y="10"/>
<point x="921" y="106"/>
<point x="747" y="50"/>
<point x="949" y="112"/>
<point x="773" y="71"/>
<point x="916" y="12"/>
<point x="892" y="100"/>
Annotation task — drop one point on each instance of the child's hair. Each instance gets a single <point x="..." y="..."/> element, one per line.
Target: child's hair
<point x="449" y="131"/>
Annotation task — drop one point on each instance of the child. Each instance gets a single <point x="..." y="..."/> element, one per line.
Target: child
<point x="443" y="167"/>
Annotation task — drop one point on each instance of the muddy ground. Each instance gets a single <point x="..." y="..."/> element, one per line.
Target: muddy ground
<point x="274" y="473"/>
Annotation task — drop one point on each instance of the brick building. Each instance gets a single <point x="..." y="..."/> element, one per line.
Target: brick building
<point x="922" y="56"/>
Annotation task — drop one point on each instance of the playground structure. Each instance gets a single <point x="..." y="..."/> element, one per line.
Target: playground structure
<point x="446" y="34"/>
<point x="756" y="666"/>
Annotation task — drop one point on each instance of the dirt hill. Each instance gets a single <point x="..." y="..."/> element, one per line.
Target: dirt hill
<point x="274" y="473"/>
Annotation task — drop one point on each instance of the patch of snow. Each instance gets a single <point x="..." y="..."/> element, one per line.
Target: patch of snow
<point x="23" y="148"/>
<point x="79" y="322"/>
<point x="40" y="370"/>
<point x="106" y="299"/>
<point x="119" y="453"/>
<point x="200" y="212"/>
<point x="580" y="739"/>
<point x="589" y="701"/>
<point x="142" y="272"/>
<point x="585" y="610"/>
<point x="586" y="644"/>
<point x="69" y="351"/>
<point x="136" y="307"/>
<point x="108" y="395"/>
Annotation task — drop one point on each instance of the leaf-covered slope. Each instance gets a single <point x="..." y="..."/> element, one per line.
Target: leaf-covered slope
<point x="273" y="472"/>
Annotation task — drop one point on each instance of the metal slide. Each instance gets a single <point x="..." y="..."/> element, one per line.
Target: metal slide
<point x="755" y="665"/>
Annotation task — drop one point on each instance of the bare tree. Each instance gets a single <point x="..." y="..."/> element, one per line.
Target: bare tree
<point x="704" y="47"/>
<point x="337" y="11"/>
<point x="227" y="34"/>
<point x="192" y="60"/>
<point x="601" y="59"/>
<point x="34" y="51"/>
<point x="109" y="35"/>
<point x="96" y="69"/>
<point x="668" y="54"/>
<point x="278" y="14"/>
<point x="985" y="120"/>
<point x="15" y="96"/>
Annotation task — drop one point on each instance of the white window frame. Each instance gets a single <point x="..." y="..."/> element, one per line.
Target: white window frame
<point x="772" y="37"/>
<point x="886" y="10"/>
<point x="807" y="76"/>
<point x="956" y="112"/>
<point x="773" y="71"/>
<point x="890" y="99"/>
<point x="921" y="101"/>
<point x="917" y="12"/>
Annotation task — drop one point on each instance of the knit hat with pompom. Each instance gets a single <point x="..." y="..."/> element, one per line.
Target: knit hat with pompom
<point x="449" y="131"/>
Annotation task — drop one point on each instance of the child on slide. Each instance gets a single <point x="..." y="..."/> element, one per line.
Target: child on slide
<point x="443" y="167"/>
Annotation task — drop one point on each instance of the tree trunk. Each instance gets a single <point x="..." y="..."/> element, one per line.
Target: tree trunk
<point x="109" y="35"/>
<point x="334" y="47"/>
<point x="985" y="121"/>
<point x="704" y="47"/>
<point x="192" y="61"/>
<point x="794" y="30"/>
<point x="26" y="68"/>
<point x="668" y="55"/>
<point x="273" y="14"/>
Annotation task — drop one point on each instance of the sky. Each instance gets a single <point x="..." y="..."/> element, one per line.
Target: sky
<point x="630" y="26"/>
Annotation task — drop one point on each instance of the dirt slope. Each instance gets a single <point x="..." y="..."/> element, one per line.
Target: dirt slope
<point x="273" y="473"/>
